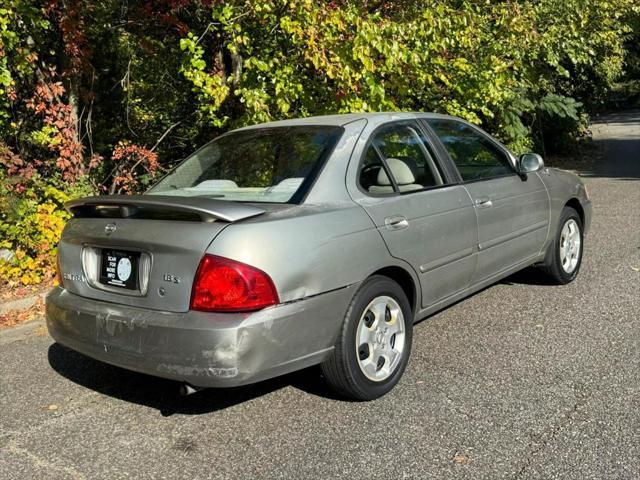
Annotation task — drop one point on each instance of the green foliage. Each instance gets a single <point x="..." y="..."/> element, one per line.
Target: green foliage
<point x="211" y="88"/>
<point x="506" y="66"/>
<point x="30" y="226"/>
<point x="196" y="68"/>
<point x="22" y="24"/>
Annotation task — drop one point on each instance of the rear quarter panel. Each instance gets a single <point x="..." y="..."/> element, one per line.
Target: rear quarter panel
<point x="308" y="250"/>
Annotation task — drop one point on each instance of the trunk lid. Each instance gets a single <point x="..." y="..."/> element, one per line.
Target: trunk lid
<point x="160" y="238"/>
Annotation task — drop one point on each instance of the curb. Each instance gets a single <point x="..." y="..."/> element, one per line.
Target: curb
<point x="22" y="303"/>
<point x="20" y="332"/>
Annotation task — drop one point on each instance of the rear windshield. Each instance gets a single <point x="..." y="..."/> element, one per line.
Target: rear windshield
<point x="275" y="165"/>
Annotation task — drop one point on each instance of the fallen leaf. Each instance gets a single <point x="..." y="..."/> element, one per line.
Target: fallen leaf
<point x="15" y="317"/>
<point x="459" y="458"/>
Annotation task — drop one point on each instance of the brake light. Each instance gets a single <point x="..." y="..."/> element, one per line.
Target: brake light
<point x="223" y="285"/>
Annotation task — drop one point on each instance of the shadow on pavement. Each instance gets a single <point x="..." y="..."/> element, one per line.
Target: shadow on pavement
<point x="621" y="159"/>
<point x="614" y="151"/>
<point x="163" y="394"/>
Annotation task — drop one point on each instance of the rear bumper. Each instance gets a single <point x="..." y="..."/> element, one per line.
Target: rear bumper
<point x="203" y="349"/>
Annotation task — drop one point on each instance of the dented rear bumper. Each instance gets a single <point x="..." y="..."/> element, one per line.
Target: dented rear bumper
<point x="203" y="349"/>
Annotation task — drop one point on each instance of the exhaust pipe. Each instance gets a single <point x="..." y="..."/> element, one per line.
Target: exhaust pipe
<point x="186" y="389"/>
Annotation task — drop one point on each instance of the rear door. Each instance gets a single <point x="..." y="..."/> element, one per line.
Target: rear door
<point x="512" y="211"/>
<point x="422" y="216"/>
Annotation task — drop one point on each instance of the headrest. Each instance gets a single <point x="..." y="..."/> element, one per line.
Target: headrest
<point x="287" y="185"/>
<point x="217" y="184"/>
<point x="400" y="171"/>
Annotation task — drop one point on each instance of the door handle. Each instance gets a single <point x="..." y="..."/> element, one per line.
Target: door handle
<point x="484" y="202"/>
<point x="397" y="222"/>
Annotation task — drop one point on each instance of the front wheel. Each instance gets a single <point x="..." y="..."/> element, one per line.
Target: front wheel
<point x="373" y="348"/>
<point x="564" y="256"/>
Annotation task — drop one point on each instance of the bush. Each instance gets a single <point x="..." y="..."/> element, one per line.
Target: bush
<point x="30" y="226"/>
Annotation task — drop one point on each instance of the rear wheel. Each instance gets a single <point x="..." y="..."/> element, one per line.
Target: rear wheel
<point x="564" y="255"/>
<point x="373" y="348"/>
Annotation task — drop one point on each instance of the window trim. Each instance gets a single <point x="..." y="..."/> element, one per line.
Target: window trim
<point x="385" y="167"/>
<point x="429" y="154"/>
<point x="509" y="156"/>
<point x="299" y="197"/>
<point x="444" y="172"/>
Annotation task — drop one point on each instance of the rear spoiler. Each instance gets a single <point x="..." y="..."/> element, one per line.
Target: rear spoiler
<point x="161" y="207"/>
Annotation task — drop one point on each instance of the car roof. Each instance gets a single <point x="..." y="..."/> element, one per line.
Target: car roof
<point x="345" y="118"/>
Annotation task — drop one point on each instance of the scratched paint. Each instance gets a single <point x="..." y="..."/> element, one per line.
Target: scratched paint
<point x="191" y="371"/>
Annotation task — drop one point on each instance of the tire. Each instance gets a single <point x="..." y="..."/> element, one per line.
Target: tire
<point x="380" y="317"/>
<point x="557" y="267"/>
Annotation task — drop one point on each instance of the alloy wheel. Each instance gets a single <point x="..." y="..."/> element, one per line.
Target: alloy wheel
<point x="570" y="245"/>
<point x="380" y="338"/>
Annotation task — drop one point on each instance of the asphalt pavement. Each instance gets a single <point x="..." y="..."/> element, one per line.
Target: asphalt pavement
<point x="520" y="381"/>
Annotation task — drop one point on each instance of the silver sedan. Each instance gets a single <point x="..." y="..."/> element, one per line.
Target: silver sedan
<point x="311" y="241"/>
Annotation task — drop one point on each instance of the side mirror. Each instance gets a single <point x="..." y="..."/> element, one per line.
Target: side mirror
<point x="529" y="163"/>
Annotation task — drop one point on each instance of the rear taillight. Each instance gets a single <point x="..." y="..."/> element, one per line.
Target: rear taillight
<point x="223" y="285"/>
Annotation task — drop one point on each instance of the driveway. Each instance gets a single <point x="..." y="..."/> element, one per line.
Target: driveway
<point x="522" y="380"/>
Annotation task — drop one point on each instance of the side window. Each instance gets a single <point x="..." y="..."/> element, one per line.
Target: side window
<point x="476" y="156"/>
<point x="398" y="150"/>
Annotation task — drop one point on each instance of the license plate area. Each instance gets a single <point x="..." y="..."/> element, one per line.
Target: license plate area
<point x="119" y="268"/>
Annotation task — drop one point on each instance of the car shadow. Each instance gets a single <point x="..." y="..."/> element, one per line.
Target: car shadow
<point x="528" y="276"/>
<point x="163" y="395"/>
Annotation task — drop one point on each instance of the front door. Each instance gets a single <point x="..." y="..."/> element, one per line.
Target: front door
<point x="423" y="218"/>
<point x="513" y="211"/>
